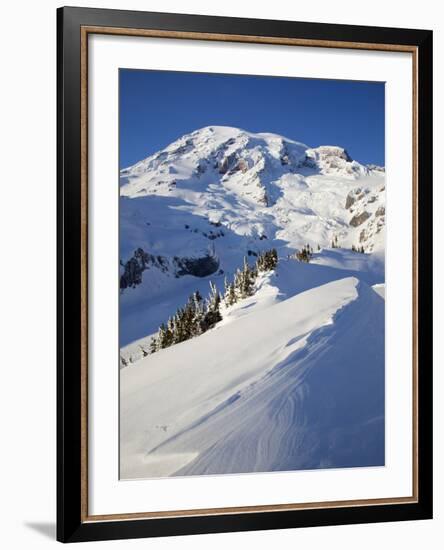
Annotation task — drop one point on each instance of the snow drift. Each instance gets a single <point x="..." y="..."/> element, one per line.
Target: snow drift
<point x="296" y="385"/>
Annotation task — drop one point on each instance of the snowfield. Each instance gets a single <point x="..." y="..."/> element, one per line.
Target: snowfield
<point x="293" y="376"/>
<point x="270" y="390"/>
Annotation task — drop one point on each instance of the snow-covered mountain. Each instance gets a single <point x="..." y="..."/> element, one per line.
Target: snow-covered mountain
<point x="292" y="377"/>
<point x="200" y="205"/>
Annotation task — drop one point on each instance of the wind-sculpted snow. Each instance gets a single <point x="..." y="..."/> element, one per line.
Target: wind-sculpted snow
<point x="295" y="384"/>
<point x="142" y="313"/>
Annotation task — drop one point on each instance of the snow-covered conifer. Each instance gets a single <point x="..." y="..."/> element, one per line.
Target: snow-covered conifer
<point x="153" y="344"/>
<point x="212" y="314"/>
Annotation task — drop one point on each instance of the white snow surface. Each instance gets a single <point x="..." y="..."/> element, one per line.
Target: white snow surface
<point x="292" y="377"/>
<point x="271" y="390"/>
<point x="221" y="192"/>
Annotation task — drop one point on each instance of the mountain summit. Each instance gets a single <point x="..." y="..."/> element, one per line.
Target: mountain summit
<point x="253" y="165"/>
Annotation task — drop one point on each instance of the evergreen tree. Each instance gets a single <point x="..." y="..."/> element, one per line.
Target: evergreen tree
<point x="260" y="262"/>
<point x="192" y="316"/>
<point x="226" y="288"/>
<point x="212" y="314"/>
<point x="198" y="312"/>
<point x="305" y="254"/>
<point x="238" y="283"/>
<point x="273" y="258"/>
<point x="267" y="261"/>
<point x="178" y="327"/>
<point x="246" y="280"/>
<point x="230" y="297"/>
<point x="171" y="326"/>
<point x="153" y="345"/>
<point x="164" y="338"/>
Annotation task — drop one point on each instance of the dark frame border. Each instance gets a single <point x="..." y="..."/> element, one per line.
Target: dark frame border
<point x="73" y="523"/>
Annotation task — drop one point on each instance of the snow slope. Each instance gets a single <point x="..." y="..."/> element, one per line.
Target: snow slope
<point x="293" y="277"/>
<point x="218" y="194"/>
<point x="271" y="390"/>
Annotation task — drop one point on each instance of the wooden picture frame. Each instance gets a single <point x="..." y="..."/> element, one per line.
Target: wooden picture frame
<point x="74" y="26"/>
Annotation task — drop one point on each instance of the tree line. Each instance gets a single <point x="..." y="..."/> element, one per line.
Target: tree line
<point x="305" y="254"/>
<point x="199" y="315"/>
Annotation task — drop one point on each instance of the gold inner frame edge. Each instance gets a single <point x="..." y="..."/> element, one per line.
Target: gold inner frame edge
<point x="85" y="32"/>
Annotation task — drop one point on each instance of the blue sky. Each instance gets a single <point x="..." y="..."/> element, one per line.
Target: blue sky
<point x="157" y="107"/>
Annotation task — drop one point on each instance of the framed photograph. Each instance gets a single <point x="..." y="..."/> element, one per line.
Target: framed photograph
<point x="245" y="274"/>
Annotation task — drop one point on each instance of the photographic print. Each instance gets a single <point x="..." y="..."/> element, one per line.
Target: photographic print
<point x="224" y="187"/>
<point x="251" y="274"/>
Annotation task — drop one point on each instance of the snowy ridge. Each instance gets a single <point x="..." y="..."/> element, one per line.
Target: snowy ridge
<point x="269" y="391"/>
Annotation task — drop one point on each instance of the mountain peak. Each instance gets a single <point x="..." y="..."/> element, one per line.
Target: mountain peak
<point x="255" y="167"/>
<point x="221" y="133"/>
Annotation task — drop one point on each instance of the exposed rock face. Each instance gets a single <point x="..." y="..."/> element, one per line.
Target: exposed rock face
<point x="141" y="261"/>
<point x="135" y="266"/>
<point x="359" y="219"/>
<point x="198" y="267"/>
<point x="284" y="155"/>
<point x="309" y="161"/>
<point x="374" y="226"/>
<point x="132" y="275"/>
<point x="231" y="164"/>
<point x="352" y="197"/>
<point x="349" y="201"/>
<point x="242" y="165"/>
<point x="227" y="163"/>
<point x="380" y="211"/>
<point x="368" y="213"/>
<point x="334" y="160"/>
<point x="376" y="167"/>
